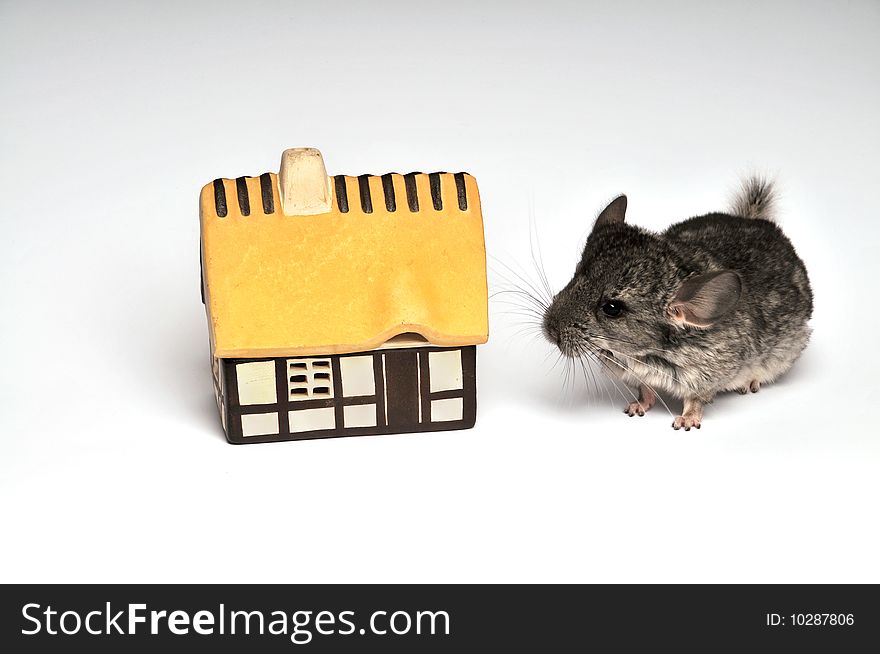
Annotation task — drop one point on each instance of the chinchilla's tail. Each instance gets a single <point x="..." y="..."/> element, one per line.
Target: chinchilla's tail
<point x="755" y="198"/>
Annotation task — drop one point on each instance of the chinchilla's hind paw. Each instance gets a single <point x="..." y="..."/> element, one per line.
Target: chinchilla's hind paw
<point x="753" y="387"/>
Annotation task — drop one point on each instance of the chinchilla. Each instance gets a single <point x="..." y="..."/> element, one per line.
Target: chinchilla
<point x="715" y="303"/>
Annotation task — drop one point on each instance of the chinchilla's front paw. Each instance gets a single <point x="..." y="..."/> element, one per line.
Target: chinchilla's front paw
<point x="647" y="399"/>
<point x="636" y="409"/>
<point x="686" y="422"/>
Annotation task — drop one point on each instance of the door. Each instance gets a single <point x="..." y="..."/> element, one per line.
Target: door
<point x="402" y="388"/>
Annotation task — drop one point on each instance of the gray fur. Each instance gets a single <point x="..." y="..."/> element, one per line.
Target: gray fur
<point x="734" y="343"/>
<point x="755" y="198"/>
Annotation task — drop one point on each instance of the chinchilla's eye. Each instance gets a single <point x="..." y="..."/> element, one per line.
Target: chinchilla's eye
<point x="612" y="308"/>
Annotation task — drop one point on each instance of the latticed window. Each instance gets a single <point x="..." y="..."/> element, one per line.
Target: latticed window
<point x="309" y="379"/>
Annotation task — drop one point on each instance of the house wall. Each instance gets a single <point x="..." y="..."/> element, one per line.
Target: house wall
<point x="377" y="392"/>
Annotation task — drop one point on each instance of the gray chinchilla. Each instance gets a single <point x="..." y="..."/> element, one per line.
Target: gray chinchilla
<point x="715" y="303"/>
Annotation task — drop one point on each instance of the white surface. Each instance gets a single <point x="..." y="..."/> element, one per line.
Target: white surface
<point x="114" y="467"/>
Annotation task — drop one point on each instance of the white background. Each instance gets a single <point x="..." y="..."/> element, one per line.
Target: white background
<point x="113" y="466"/>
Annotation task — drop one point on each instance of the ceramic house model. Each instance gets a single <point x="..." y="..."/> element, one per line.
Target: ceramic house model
<point x="343" y="305"/>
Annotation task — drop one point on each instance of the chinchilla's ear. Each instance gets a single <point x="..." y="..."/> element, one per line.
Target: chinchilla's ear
<point x="613" y="214"/>
<point x="704" y="299"/>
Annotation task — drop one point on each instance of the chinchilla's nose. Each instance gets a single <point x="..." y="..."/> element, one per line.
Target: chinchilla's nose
<point x="551" y="330"/>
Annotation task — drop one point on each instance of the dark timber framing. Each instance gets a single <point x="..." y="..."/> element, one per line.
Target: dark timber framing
<point x="341" y="193"/>
<point x="244" y="201"/>
<point x="436" y="197"/>
<point x="461" y="191"/>
<point x="412" y="193"/>
<point x="409" y="402"/>
<point x="366" y="198"/>
<point x="220" y="198"/>
<point x="388" y="190"/>
<point x="267" y="193"/>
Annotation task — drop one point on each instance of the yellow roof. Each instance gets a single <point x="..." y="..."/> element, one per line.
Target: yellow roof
<point x="344" y="280"/>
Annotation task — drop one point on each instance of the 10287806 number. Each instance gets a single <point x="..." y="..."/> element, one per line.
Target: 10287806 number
<point x="821" y="619"/>
<point x="810" y="620"/>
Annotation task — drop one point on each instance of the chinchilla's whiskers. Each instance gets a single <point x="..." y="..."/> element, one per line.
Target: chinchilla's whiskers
<point x="585" y="364"/>
<point x="676" y="380"/>
<point x="541" y="286"/>
<point x="565" y="380"/>
<point x="514" y="279"/>
<point x="521" y="319"/>
<point x="526" y="321"/>
<point x="521" y="301"/>
<point x="529" y="318"/>
<point x="530" y="337"/>
<point x="530" y="331"/>
<point x="519" y="291"/>
<point x="585" y="361"/>
<point x="680" y="382"/>
<point x="584" y="371"/>
<point x="528" y="326"/>
<point x="559" y="358"/>
<point x="521" y="294"/>
<point x="572" y="395"/>
<point x="627" y="369"/>
<point x="642" y="381"/>
<point x="566" y="366"/>
<point x="595" y="337"/>
<point x="524" y="307"/>
<point x="523" y="279"/>
<point x="585" y="353"/>
<point x="539" y="260"/>
<point x="523" y="284"/>
<point x="528" y="312"/>
<point x="569" y="375"/>
<point x="636" y="345"/>
<point x="578" y="361"/>
<point x="610" y="376"/>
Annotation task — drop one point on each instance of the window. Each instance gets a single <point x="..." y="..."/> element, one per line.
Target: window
<point x="357" y="376"/>
<point x="360" y="415"/>
<point x="445" y="370"/>
<point x="311" y="419"/>
<point x="256" y="382"/>
<point x="309" y="379"/>
<point x="447" y="410"/>
<point x="259" y="424"/>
